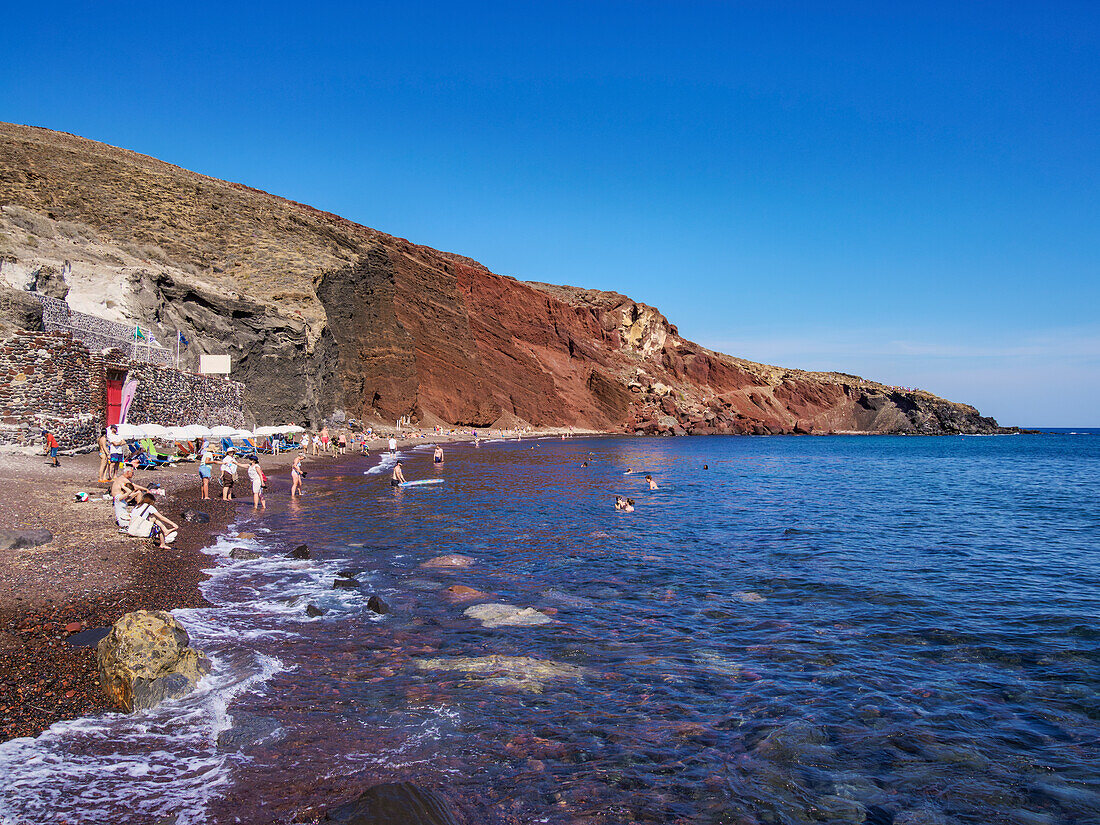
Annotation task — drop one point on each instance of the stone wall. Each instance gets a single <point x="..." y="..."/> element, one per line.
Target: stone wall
<point x="173" y="398"/>
<point x="99" y="333"/>
<point x="48" y="380"/>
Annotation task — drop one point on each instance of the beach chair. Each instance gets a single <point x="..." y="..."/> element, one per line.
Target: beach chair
<point x="249" y="449"/>
<point x="153" y="454"/>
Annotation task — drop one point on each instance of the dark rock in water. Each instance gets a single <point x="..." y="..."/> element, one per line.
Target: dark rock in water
<point x="195" y="517"/>
<point x="247" y="730"/>
<point x="395" y="803"/>
<point x="345" y="584"/>
<point x="89" y="637"/>
<point x="314" y="611"/>
<point x="378" y="605"/>
<point x="299" y="552"/>
<point x="350" y="573"/>
<point x="18" y="539"/>
<point x="243" y="554"/>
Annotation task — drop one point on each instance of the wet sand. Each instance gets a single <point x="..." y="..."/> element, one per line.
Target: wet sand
<point x="90" y="574"/>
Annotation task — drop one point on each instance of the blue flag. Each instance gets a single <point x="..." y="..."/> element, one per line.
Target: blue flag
<point x="183" y="339"/>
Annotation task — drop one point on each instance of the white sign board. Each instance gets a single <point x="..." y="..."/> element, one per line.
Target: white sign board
<point x="213" y="364"/>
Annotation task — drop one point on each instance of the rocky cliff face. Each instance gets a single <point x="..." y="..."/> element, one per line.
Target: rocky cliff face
<point x="321" y="314"/>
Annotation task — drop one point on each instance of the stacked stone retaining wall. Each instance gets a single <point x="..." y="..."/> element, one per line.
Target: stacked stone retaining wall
<point x="99" y="334"/>
<point x="173" y="398"/>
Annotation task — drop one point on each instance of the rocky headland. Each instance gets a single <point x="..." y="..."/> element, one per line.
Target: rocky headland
<point x="324" y="317"/>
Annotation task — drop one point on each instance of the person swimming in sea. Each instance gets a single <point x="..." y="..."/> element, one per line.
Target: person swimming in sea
<point x="626" y="505"/>
<point x="438" y="457"/>
<point x="584" y="463"/>
<point x="629" y="470"/>
<point x="652" y="483"/>
<point x="398" y="477"/>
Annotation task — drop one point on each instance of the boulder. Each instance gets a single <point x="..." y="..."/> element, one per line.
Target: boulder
<point x="243" y="554"/>
<point x="18" y="539"/>
<point x="448" y="562"/>
<point x="395" y="803"/>
<point x="195" y="516"/>
<point x="146" y="659"/>
<point x="506" y="615"/>
<point x="462" y="593"/>
<point x="313" y="611"/>
<point x="299" y="552"/>
<point x="377" y="604"/>
<point x="345" y="584"/>
<point x="521" y="672"/>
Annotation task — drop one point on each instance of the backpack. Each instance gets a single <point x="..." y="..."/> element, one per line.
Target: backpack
<point x="140" y="526"/>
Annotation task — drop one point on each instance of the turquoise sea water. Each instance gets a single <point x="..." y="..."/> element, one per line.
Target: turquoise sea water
<point x="842" y="629"/>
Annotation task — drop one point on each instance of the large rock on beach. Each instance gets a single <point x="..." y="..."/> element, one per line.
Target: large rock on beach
<point x="18" y="539"/>
<point x="449" y="562"/>
<point x="146" y="658"/>
<point x="495" y="614"/>
<point x="395" y="803"/>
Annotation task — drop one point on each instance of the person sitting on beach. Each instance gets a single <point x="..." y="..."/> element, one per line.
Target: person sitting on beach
<point x="163" y="528"/>
<point x="652" y="483"/>
<point x="296" y="473"/>
<point x="229" y="473"/>
<point x="438" y="456"/>
<point x="259" y="481"/>
<point x="124" y="491"/>
<point x="206" y="467"/>
<point x="398" y="477"/>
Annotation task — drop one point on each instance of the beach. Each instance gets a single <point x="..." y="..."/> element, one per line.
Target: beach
<point x="90" y="574"/>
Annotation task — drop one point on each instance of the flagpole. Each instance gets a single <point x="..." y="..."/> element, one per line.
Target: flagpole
<point x="177" y="349"/>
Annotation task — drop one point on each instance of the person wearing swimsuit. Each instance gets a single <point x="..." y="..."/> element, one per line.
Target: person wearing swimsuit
<point x="438" y="457"/>
<point x="398" y="477"/>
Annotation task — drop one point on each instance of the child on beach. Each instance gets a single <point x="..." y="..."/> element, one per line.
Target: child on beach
<point x="296" y="473"/>
<point x="259" y="481"/>
<point x="51" y="448"/>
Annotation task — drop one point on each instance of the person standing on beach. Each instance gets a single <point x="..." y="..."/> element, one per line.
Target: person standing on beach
<point x="398" y="477"/>
<point x="101" y="442"/>
<point x="206" y="468"/>
<point x="305" y="444"/>
<point x="325" y="438"/>
<point x="342" y="443"/>
<point x="258" y="479"/>
<point x="116" y="444"/>
<point x="51" y="448"/>
<point x="393" y="444"/>
<point x="296" y="473"/>
<point x="229" y="473"/>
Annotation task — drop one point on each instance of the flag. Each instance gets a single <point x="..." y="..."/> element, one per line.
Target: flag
<point x="183" y="338"/>
<point x="138" y="334"/>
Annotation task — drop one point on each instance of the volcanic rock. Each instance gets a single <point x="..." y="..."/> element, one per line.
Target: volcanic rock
<point x="462" y="593"/>
<point x="313" y="611"/>
<point x="376" y="604"/>
<point x="345" y="584"/>
<point x="19" y="539"/>
<point x="146" y="659"/>
<point x="299" y="552"/>
<point x="323" y="314"/>
<point x="448" y="562"/>
<point x="395" y="803"/>
<point x="243" y="554"/>
<point x="506" y="615"/>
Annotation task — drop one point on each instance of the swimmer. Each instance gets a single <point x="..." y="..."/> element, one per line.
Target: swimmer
<point x="584" y="463"/>
<point x="652" y="483"/>
<point x="626" y="505"/>
<point x="438" y="457"/>
<point x="398" y="477"/>
<point x="629" y="470"/>
<point x="705" y="467"/>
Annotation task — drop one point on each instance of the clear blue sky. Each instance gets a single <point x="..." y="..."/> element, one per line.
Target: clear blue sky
<point x="904" y="191"/>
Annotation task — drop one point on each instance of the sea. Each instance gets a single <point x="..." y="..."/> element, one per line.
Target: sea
<point x="884" y="630"/>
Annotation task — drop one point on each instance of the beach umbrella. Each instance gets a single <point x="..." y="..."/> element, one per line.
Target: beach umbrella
<point x="195" y="431"/>
<point x="292" y="428"/>
<point x="130" y="431"/>
<point x="267" y="430"/>
<point x="222" y="431"/>
<point x="241" y="434"/>
<point x="154" y="430"/>
<point x="176" y="434"/>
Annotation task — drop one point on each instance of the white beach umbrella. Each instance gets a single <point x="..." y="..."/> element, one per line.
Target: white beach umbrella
<point x="241" y="434"/>
<point x="130" y="431"/>
<point x="154" y="430"/>
<point x="176" y="434"/>
<point x="221" y="431"/>
<point x="195" y="431"/>
<point x="291" y="428"/>
<point x="267" y="430"/>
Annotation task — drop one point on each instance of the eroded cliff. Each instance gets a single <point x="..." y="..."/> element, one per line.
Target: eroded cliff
<point x="321" y="314"/>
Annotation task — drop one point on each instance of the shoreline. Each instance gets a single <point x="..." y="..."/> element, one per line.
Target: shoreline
<point x="90" y="575"/>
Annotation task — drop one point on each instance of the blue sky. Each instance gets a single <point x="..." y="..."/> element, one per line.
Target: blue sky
<point x="903" y="191"/>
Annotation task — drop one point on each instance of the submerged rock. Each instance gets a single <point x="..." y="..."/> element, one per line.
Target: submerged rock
<point x="506" y="615"/>
<point x="18" y="539"/>
<point x="422" y="584"/>
<point x="313" y="611"/>
<point x="243" y="554"/>
<point x="448" y="562"/>
<point x="247" y="730"/>
<point x="838" y="809"/>
<point x="146" y="659"/>
<point x="299" y="552"/>
<point x="394" y="803"/>
<point x="377" y="604"/>
<point x="507" y="671"/>
<point x="345" y="584"/>
<point x="462" y="593"/>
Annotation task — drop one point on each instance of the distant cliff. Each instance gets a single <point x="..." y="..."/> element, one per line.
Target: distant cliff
<point x="322" y="314"/>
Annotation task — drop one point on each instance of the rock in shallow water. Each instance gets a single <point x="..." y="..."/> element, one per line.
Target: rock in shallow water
<point x="299" y="552"/>
<point x="145" y="659"/>
<point x="377" y="604"/>
<point x="345" y="584"/>
<point x="462" y="593"/>
<point x="448" y="562"/>
<point x="313" y="611"/>
<point x="243" y="554"/>
<point x="507" y="671"/>
<point x="195" y="516"/>
<point x="506" y="615"/>
<point x="395" y="803"/>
